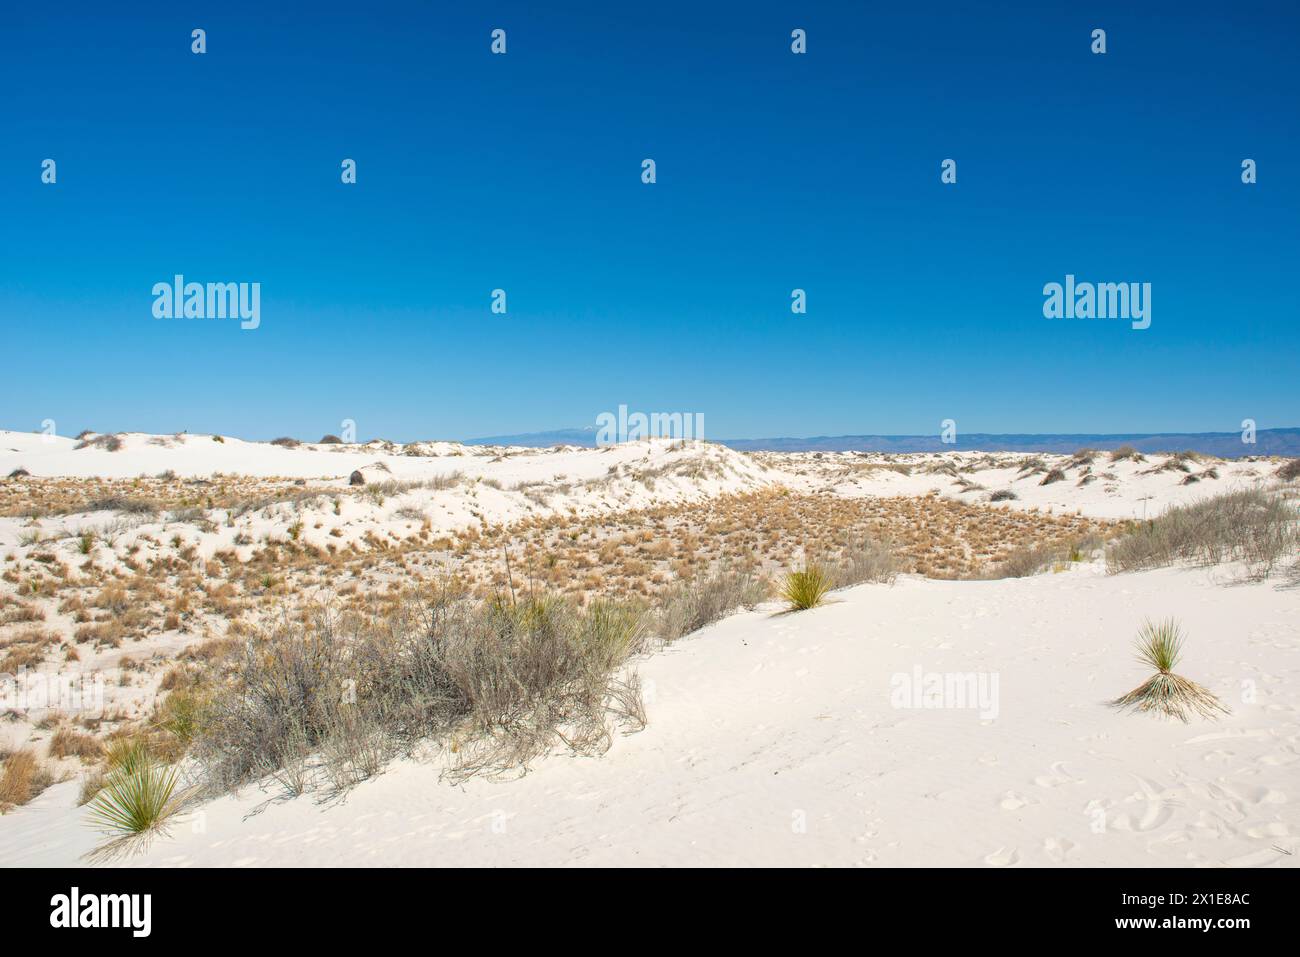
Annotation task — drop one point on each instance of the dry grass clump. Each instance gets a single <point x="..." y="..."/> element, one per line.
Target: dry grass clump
<point x="868" y="561"/>
<point x="120" y="503"/>
<point x="1252" y="526"/>
<point x="696" y="604"/>
<point x="328" y="698"/>
<point x="69" y="743"/>
<point x="1289" y="470"/>
<point x="1126" y="452"/>
<point x="1082" y="457"/>
<point x="110" y="443"/>
<point x="1160" y="646"/>
<point x="1026" y="561"/>
<point x="91" y="785"/>
<point x="1032" y="559"/>
<point x="1053" y="475"/>
<point x="22" y="778"/>
<point x="806" y="588"/>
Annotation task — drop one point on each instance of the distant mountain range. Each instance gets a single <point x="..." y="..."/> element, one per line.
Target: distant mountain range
<point x="1226" y="445"/>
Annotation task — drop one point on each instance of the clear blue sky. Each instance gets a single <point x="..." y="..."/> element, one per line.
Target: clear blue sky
<point x="775" y="171"/>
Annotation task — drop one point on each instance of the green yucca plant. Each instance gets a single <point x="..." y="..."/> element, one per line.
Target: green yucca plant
<point x="127" y="755"/>
<point x="135" y="801"/>
<point x="1160" y="645"/>
<point x="806" y="589"/>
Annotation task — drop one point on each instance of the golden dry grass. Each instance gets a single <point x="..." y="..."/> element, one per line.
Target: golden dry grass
<point x="22" y="778"/>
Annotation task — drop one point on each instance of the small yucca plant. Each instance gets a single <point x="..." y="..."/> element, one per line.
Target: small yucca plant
<point x="1160" y="645"/>
<point x="134" y="802"/>
<point x="806" y="589"/>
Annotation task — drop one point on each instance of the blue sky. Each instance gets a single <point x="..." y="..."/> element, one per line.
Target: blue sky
<point x="775" y="171"/>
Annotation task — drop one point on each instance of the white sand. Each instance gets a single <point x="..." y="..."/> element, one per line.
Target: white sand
<point x="772" y="740"/>
<point x="499" y="485"/>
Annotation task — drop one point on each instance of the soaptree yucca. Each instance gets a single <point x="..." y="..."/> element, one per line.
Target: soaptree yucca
<point x="806" y="589"/>
<point x="1160" y="645"/>
<point x="137" y="797"/>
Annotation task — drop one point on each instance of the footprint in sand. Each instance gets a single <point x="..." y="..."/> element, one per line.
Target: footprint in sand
<point x="1207" y="826"/>
<point x="1060" y="849"/>
<point x="1011" y="801"/>
<point x="1159" y="807"/>
<point x="1003" y="857"/>
<point x="1056" y="776"/>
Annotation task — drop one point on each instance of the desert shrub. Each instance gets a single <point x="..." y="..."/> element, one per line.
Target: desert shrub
<point x="1054" y="475"/>
<point x="330" y="440"/>
<point x="120" y="503"/>
<point x="1003" y="495"/>
<point x="696" y="604"/>
<point x="502" y="681"/>
<point x="1252" y="526"/>
<point x="450" y="480"/>
<point x="1032" y="559"/>
<point x="1029" y="560"/>
<point x="869" y="561"/>
<point x="286" y="442"/>
<point x="1289" y="471"/>
<point x="110" y="443"/>
<point x="1125" y="452"/>
<point x="1084" y="548"/>
<point x="806" y="588"/>
<point x="180" y="716"/>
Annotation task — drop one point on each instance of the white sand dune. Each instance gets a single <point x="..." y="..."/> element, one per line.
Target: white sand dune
<point x="593" y="480"/>
<point x="773" y="740"/>
<point x="490" y="485"/>
<point x="201" y="455"/>
<point x="1125" y="489"/>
